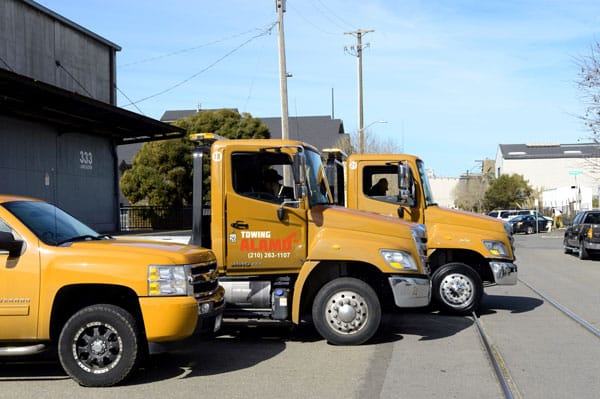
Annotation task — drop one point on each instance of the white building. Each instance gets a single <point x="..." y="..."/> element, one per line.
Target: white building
<point x="566" y="174"/>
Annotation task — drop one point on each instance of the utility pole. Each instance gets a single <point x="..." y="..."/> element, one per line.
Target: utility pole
<point x="283" y="75"/>
<point x="358" y="53"/>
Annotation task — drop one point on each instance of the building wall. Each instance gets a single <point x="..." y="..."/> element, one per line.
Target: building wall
<point x="551" y="173"/>
<point x="31" y="42"/>
<point x="443" y="189"/>
<point x="72" y="170"/>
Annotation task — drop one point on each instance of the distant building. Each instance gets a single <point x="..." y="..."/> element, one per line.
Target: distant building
<point x="567" y="174"/>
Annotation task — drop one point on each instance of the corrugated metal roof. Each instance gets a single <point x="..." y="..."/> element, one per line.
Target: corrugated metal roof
<point x="550" y="151"/>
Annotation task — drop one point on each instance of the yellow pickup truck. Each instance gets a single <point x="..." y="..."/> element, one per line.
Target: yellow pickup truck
<point x="98" y="300"/>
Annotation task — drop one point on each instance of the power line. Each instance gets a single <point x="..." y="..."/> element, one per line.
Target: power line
<point x="190" y="49"/>
<point x="263" y="33"/>
<point x="335" y="15"/>
<point x="59" y="65"/>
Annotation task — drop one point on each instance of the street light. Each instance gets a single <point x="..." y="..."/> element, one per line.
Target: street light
<point x="361" y="134"/>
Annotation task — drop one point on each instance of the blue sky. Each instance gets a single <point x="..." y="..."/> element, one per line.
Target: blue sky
<point x="452" y="79"/>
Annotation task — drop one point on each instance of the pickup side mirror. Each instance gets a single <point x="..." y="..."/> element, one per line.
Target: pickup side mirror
<point x="8" y="243"/>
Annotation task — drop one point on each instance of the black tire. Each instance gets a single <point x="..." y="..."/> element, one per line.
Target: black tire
<point x="566" y="248"/>
<point x="346" y="311"/>
<point x="100" y="346"/>
<point x="457" y="289"/>
<point x="582" y="253"/>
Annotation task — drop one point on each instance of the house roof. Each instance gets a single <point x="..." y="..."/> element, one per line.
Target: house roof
<point x="322" y="131"/>
<point x="35" y="100"/>
<point x="549" y="151"/>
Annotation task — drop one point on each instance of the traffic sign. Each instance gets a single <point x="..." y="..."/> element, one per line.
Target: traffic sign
<point x="575" y="172"/>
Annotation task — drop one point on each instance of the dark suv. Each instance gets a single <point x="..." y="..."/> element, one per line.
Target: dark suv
<point x="583" y="236"/>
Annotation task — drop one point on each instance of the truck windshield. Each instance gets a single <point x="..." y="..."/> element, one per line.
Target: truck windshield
<point x="316" y="182"/>
<point x="50" y="224"/>
<point x="427" y="193"/>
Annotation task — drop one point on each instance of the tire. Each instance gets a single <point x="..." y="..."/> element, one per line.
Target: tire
<point x="457" y="289"/>
<point x="529" y="230"/>
<point x="582" y="253"/>
<point x="566" y="248"/>
<point x="100" y="346"/>
<point x="346" y="311"/>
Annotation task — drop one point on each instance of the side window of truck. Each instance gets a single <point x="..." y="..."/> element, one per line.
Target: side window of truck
<point x="381" y="183"/>
<point x="260" y="176"/>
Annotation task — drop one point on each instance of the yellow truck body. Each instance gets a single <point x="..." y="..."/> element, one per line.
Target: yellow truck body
<point x="292" y="254"/>
<point x="466" y="251"/>
<point x="57" y="276"/>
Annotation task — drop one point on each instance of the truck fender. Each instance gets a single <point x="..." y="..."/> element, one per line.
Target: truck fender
<point x="305" y="271"/>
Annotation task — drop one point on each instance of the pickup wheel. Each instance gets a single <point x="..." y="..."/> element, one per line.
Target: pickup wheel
<point x="100" y="345"/>
<point x="457" y="289"/>
<point x="566" y="248"/>
<point x="346" y="311"/>
<point x="582" y="253"/>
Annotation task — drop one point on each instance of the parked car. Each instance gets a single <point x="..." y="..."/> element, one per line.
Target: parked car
<point x="529" y="224"/>
<point x="507" y="215"/>
<point x="583" y="235"/>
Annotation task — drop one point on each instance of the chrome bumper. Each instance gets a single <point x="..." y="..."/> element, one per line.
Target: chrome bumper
<point x="410" y="292"/>
<point x="505" y="273"/>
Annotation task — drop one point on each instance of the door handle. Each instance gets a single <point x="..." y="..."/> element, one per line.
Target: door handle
<point x="239" y="225"/>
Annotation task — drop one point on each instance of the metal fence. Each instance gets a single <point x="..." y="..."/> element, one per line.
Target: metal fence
<point x="155" y="218"/>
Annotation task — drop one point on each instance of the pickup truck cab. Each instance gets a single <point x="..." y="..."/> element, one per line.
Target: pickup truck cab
<point x="583" y="235"/>
<point x="98" y="300"/>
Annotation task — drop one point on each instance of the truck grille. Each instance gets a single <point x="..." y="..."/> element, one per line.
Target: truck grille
<point x="205" y="279"/>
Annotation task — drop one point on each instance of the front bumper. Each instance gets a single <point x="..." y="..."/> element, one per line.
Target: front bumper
<point x="591" y="245"/>
<point x="505" y="273"/>
<point x="410" y="292"/>
<point x="210" y="312"/>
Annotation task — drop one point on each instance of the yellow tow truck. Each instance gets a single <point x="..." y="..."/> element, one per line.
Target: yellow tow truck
<point x="288" y="253"/>
<point x="466" y="251"/>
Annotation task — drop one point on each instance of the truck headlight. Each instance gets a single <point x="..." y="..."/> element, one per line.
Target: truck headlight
<point x="169" y="280"/>
<point x="398" y="259"/>
<point x="496" y="248"/>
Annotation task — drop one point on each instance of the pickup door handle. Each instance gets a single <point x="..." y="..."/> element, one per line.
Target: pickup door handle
<point x="239" y="225"/>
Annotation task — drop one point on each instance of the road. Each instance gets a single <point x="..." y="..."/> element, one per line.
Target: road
<point x="417" y="354"/>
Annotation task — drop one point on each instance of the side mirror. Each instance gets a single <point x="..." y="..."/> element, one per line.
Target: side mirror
<point x="9" y="244"/>
<point x="405" y="185"/>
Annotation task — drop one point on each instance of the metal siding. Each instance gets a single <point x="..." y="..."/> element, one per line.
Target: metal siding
<point x="31" y="41"/>
<point x="85" y="180"/>
<point x="27" y="156"/>
<point x="37" y="161"/>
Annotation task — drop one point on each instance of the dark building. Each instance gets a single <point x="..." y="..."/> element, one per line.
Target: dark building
<point x="59" y="126"/>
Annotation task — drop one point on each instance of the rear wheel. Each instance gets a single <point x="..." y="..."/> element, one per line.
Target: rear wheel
<point x="457" y="289"/>
<point x="346" y="311"/>
<point x="566" y="248"/>
<point x="100" y="345"/>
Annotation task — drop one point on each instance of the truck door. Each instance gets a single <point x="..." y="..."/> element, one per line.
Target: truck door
<point x="19" y="288"/>
<point x="257" y="195"/>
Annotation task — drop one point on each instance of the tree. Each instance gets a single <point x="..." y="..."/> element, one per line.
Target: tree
<point x="589" y="85"/>
<point x="373" y="144"/>
<point x="161" y="172"/>
<point x="508" y="192"/>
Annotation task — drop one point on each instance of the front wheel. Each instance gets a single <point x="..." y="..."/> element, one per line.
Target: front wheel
<point x="457" y="289"/>
<point x="346" y="311"/>
<point x="100" y="345"/>
<point x="583" y="253"/>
